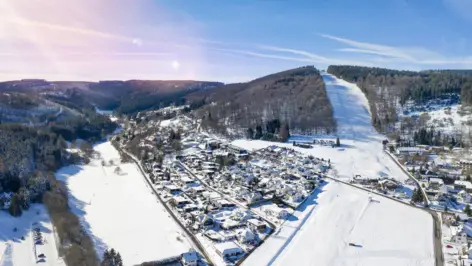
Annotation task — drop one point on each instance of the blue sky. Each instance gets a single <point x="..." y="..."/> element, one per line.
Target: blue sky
<point x="227" y="40"/>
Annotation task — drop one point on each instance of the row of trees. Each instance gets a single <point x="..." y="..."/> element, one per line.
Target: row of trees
<point x="274" y="131"/>
<point x="431" y="137"/>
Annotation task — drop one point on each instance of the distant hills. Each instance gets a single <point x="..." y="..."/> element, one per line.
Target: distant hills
<point x="294" y="98"/>
<point x="126" y="97"/>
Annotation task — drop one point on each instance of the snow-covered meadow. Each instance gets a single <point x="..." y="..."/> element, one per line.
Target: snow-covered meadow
<point x="320" y="231"/>
<point x="17" y="251"/>
<point x="119" y="210"/>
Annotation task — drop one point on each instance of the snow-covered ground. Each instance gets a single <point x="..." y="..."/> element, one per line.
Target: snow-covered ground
<point x="16" y="251"/>
<point x="119" y="211"/>
<point x="385" y="232"/>
<point x="447" y="118"/>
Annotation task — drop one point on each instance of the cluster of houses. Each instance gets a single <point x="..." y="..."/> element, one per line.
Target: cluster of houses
<point x="213" y="217"/>
<point x="443" y="172"/>
<point x="216" y="189"/>
<point x="212" y="186"/>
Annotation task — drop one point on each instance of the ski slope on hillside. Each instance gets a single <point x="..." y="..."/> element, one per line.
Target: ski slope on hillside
<point x="361" y="150"/>
<point x="120" y="211"/>
<point x="364" y="149"/>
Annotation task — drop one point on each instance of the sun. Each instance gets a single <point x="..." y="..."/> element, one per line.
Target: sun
<point x="175" y="65"/>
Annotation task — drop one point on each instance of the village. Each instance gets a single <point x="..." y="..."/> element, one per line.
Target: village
<point x="443" y="173"/>
<point x="230" y="199"/>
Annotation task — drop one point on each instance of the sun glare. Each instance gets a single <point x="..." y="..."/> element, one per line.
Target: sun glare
<point x="175" y="65"/>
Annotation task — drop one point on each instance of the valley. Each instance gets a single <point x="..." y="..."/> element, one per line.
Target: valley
<point x="177" y="188"/>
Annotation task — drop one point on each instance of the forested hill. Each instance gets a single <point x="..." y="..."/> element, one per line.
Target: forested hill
<point x="124" y="97"/>
<point x="295" y="98"/>
<point x="462" y="72"/>
<point x="386" y="88"/>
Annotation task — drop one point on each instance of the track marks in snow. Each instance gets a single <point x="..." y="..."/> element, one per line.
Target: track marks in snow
<point x="6" y="259"/>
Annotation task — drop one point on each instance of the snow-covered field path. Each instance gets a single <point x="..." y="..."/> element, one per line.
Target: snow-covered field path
<point x="119" y="211"/>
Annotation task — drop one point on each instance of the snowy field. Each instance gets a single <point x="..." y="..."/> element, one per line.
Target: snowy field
<point x="319" y="232"/>
<point x="16" y="251"/>
<point x="120" y="211"/>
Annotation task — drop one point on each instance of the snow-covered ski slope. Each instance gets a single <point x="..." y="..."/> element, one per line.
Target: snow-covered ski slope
<point x="385" y="232"/>
<point x="119" y="211"/>
<point x="364" y="150"/>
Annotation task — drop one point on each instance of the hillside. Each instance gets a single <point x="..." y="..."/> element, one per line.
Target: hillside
<point x="296" y="98"/>
<point x="394" y="93"/>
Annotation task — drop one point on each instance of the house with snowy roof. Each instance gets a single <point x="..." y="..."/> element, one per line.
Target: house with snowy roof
<point x="246" y="236"/>
<point x="435" y="183"/>
<point x="190" y="258"/>
<point x="256" y="225"/>
<point x="464" y="196"/>
<point x="409" y="151"/>
<point x="228" y="249"/>
<point x="463" y="185"/>
<point x="460" y="238"/>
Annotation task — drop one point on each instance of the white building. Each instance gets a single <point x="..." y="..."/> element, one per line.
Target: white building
<point x="460" y="238"/>
<point x="464" y="196"/>
<point x="246" y="236"/>
<point x="409" y="150"/>
<point x="463" y="185"/>
<point x="435" y="183"/>
<point x="256" y="225"/>
<point x="228" y="249"/>
<point x="190" y="258"/>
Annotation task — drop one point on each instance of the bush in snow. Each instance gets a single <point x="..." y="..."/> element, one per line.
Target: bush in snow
<point x="15" y="205"/>
<point x="111" y="258"/>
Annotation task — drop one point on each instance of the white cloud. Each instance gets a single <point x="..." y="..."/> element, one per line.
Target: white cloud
<point x="315" y="57"/>
<point x="407" y="55"/>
